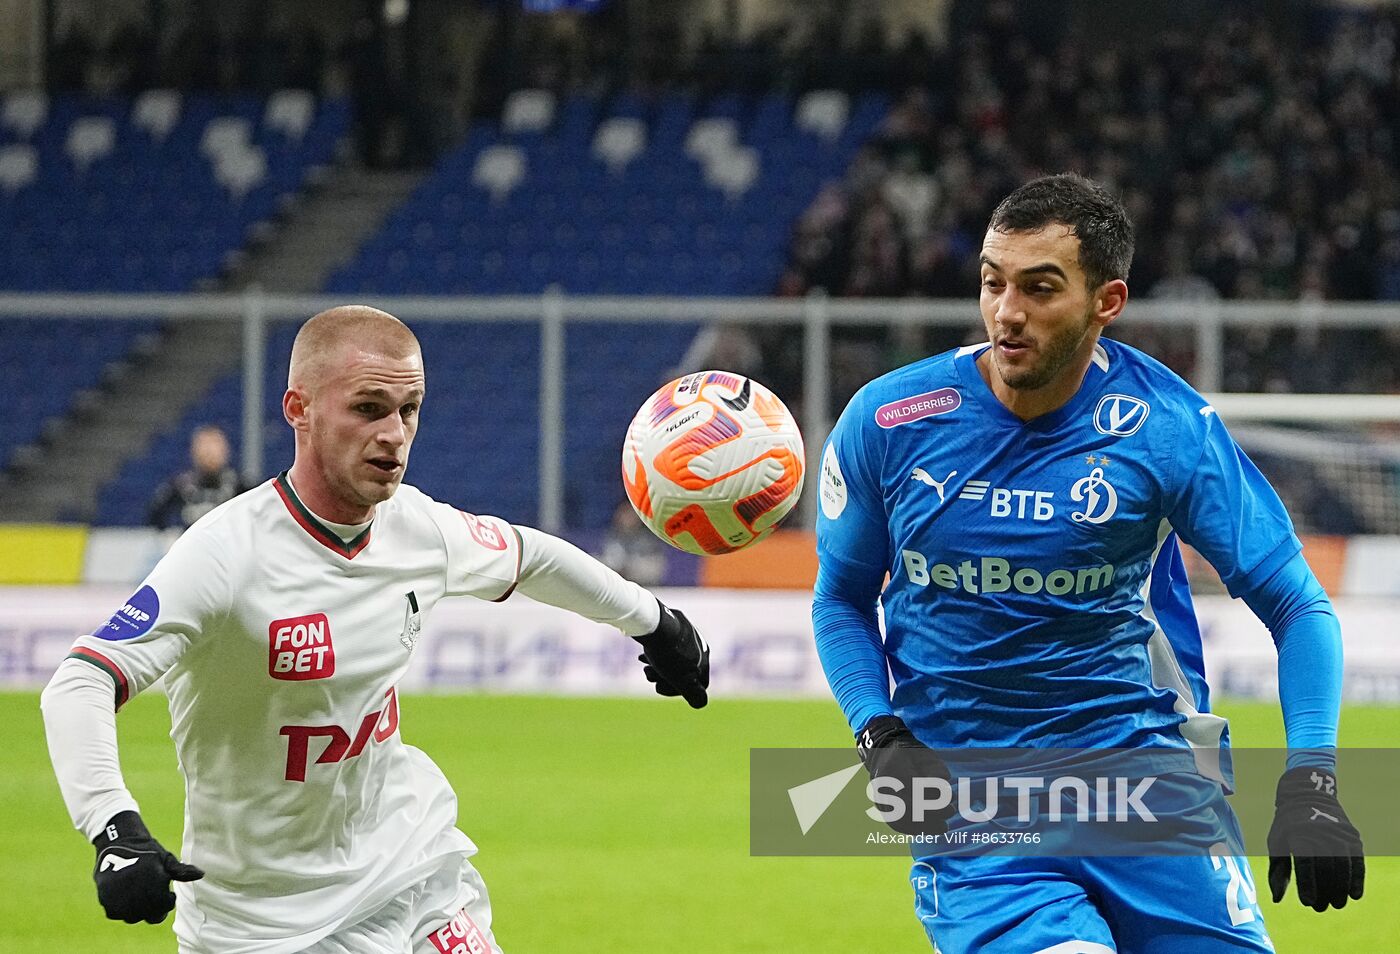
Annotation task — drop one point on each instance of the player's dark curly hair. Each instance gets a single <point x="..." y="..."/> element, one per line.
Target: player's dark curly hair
<point x="1092" y="213"/>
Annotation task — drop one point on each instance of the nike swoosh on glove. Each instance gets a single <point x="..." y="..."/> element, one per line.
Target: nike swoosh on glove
<point x="1313" y="838"/>
<point x="133" y="872"/>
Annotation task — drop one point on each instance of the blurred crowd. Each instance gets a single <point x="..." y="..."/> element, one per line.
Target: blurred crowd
<point x="1257" y="163"/>
<point x="197" y="54"/>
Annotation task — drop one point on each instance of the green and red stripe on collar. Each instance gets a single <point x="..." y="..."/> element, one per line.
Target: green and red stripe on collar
<point x="314" y="527"/>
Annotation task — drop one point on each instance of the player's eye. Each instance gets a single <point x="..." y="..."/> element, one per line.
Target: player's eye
<point x="369" y="410"/>
<point x="409" y="410"/>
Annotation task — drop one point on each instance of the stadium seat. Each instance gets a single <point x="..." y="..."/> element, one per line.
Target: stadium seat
<point x="734" y="172"/>
<point x="528" y="111"/>
<point x="240" y="171"/>
<point x="89" y="139"/>
<point x="289" y="112"/>
<point x="711" y="137"/>
<point x="618" y="141"/>
<point x="499" y="170"/>
<point x="19" y="166"/>
<point x="823" y="113"/>
<point x="157" y="111"/>
<point x="24" y="112"/>
<point x="225" y="135"/>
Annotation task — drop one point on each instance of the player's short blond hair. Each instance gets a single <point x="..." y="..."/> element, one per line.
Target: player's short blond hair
<point x="321" y="340"/>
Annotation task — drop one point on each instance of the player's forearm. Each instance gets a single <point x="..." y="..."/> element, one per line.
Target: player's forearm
<point x="849" y="645"/>
<point x="1298" y="613"/>
<point x="80" y="721"/>
<point x="556" y="572"/>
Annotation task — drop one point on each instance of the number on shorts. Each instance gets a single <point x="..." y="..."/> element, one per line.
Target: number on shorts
<point x="1241" y="886"/>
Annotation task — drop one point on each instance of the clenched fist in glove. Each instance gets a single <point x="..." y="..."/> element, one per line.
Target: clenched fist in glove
<point x="676" y="658"/>
<point x="133" y="872"/>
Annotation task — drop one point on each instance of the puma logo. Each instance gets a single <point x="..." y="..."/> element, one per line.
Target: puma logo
<point x="923" y="477"/>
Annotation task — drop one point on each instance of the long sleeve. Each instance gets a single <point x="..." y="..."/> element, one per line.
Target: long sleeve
<point x="555" y="572"/>
<point x="1292" y="603"/>
<point x="80" y="722"/>
<point x="848" y="641"/>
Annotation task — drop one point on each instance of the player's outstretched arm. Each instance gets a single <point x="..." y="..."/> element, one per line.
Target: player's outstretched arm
<point x="133" y="872"/>
<point x="1313" y="839"/>
<point x="674" y="656"/>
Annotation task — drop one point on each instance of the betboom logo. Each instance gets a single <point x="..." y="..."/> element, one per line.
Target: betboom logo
<point x="995" y="575"/>
<point x="379" y="725"/>
<point x="300" y="648"/>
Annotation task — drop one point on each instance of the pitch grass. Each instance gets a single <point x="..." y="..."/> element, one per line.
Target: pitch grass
<point x="604" y="826"/>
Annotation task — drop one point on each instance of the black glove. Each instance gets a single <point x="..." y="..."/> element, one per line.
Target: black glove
<point x="133" y="872"/>
<point x="1311" y="833"/>
<point x="676" y="658"/>
<point x="889" y="750"/>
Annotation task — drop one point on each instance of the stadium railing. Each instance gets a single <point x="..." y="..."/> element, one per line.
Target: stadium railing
<point x="813" y="316"/>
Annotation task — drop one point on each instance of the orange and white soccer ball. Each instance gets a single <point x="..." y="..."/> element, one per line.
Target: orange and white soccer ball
<point x="713" y="462"/>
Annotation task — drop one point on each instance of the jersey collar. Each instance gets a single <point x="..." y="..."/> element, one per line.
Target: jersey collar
<point x="313" y="526"/>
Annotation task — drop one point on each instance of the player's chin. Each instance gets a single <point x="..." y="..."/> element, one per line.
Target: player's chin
<point x="1021" y="377"/>
<point x="381" y="484"/>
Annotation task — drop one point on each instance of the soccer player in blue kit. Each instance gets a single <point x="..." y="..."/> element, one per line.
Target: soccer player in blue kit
<point x="1025" y="497"/>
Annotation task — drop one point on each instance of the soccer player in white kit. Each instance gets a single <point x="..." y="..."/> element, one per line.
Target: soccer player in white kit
<point x="282" y="622"/>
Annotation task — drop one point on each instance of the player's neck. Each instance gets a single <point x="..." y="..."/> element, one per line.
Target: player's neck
<point x="1030" y="403"/>
<point x="317" y="497"/>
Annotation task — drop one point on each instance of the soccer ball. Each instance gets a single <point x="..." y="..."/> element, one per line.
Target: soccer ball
<point x="713" y="462"/>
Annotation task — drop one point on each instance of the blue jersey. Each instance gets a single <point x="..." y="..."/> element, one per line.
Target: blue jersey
<point x="1036" y="593"/>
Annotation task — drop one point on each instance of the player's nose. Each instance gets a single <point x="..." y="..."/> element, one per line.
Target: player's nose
<point x="392" y="432"/>
<point x="1010" y="310"/>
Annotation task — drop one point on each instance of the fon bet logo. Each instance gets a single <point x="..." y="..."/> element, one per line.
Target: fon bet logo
<point x="460" y="936"/>
<point x="300" y="648"/>
<point x="1119" y="415"/>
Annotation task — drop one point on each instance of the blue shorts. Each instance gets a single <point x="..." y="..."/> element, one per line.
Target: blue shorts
<point x="1162" y="905"/>
<point x="1200" y="900"/>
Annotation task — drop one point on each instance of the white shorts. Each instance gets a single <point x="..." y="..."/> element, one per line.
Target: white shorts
<point x="446" y="913"/>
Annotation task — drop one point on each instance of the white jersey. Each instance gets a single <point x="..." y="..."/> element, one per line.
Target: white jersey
<point x="281" y="646"/>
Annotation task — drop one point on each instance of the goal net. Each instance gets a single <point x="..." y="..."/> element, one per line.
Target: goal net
<point x="1334" y="458"/>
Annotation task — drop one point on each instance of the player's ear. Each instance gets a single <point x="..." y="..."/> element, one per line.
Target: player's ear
<point x="294" y="409"/>
<point x="1109" y="300"/>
